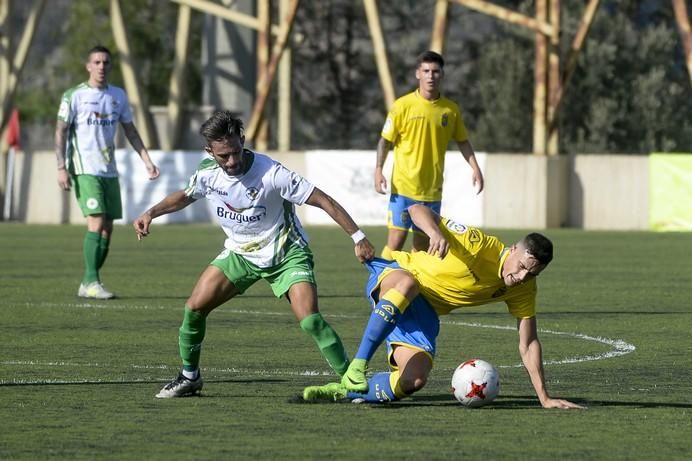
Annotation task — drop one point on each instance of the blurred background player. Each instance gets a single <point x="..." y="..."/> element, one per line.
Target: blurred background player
<point x="85" y="151"/>
<point x="419" y="126"/>
<point x="254" y="198"/>
<point x="462" y="267"/>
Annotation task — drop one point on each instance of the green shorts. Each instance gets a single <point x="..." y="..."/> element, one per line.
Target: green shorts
<point x="98" y="195"/>
<point x="297" y="266"/>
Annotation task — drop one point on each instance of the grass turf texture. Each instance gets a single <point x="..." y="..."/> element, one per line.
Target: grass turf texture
<point x="78" y="377"/>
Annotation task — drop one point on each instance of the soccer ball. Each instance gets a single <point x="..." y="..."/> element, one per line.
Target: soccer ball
<point x="475" y="383"/>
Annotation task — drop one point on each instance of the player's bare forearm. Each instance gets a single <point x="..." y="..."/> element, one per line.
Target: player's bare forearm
<point x="340" y="216"/>
<point x="133" y="137"/>
<point x="532" y="357"/>
<point x="364" y="249"/>
<point x="171" y="203"/>
<point x="383" y="147"/>
<point x="64" y="180"/>
<point x="60" y="139"/>
<point x="136" y="141"/>
<point x="467" y="151"/>
<point x="427" y="221"/>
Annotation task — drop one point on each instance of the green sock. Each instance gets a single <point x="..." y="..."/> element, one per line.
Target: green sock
<point x="104" y="244"/>
<point x="190" y="337"/>
<point x="91" y="256"/>
<point x="327" y="340"/>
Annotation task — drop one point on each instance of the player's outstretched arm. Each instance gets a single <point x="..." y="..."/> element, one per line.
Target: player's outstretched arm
<point x="532" y="357"/>
<point x="363" y="249"/>
<point x="171" y="203"/>
<point x="427" y="221"/>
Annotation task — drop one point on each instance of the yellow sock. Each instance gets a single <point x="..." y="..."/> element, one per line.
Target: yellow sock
<point x="400" y="301"/>
<point x="395" y="385"/>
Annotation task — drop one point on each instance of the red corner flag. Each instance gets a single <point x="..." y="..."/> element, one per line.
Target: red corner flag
<point x="13" y="130"/>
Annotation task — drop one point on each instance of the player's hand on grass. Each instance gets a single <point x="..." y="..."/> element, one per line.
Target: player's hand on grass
<point x="141" y="226"/>
<point x="560" y="403"/>
<point x="364" y="250"/>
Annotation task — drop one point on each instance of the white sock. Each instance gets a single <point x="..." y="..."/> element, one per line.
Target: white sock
<point x="191" y="375"/>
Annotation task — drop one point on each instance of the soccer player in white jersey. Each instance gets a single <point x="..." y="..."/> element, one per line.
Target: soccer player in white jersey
<point x="254" y="198"/>
<point x="84" y="146"/>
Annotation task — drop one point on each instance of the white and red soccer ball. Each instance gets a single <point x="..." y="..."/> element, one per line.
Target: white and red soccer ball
<point x="475" y="383"/>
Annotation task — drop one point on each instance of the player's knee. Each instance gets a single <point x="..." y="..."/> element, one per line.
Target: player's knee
<point x="407" y="285"/>
<point x="313" y="324"/>
<point x="411" y="384"/>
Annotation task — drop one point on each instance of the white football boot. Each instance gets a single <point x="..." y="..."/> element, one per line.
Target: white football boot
<point x="181" y="387"/>
<point x="95" y="291"/>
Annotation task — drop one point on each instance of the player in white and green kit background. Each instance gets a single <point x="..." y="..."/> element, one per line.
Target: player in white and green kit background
<point x="84" y="146"/>
<point x="253" y="197"/>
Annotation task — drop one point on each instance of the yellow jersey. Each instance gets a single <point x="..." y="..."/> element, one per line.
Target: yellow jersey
<point x="469" y="275"/>
<point x="420" y="131"/>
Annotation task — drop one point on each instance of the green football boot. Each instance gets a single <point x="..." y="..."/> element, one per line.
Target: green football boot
<point x="354" y="379"/>
<point x="332" y="392"/>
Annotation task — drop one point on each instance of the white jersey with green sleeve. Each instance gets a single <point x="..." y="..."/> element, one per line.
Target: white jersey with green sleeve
<point x="256" y="210"/>
<point x="92" y="115"/>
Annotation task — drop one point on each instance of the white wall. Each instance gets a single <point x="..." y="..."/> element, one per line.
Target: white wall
<point x="521" y="191"/>
<point x="609" y="192"/>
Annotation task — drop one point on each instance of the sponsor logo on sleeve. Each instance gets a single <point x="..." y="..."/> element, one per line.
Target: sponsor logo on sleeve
<point x="456" y="227"/>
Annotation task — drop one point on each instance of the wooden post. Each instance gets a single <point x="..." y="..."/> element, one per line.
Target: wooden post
<point x="284" y="116"/>
<point x="683" y="20"/>
<point x="380" y="52"/>
<point x="572" y="57"/>
<point x="554" y="77"/>
<point x="540" y="79"/>
<point x="536" y="24"/>
<point x="18" y="61"/>
<point x="127" y="65"/>
<point x="223" y="12"/>
<point x="176" y="91"/>
<point x="263" y="54"/>
<point x="439" y="26"/>
<point x="266" y="82"/>
<point x="5" y="46"/>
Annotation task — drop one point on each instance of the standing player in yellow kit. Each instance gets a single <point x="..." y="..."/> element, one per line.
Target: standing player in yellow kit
<point x="419" y="126"/>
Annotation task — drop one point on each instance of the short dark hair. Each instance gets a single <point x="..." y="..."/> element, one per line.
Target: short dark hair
<point x="430" y="56"/>
<point x="221" y="126"/>
<point x="98" y="49"/>
<point x="539" y="246"/>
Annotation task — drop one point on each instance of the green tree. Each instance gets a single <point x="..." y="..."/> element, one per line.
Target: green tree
<point x="150" y="27"/>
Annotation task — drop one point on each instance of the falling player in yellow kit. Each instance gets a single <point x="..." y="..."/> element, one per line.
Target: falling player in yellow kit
<point x="419" y="127"/>
<point x="462" y="267"/>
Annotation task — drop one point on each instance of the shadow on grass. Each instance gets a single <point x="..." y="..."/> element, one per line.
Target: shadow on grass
<point x="514" y="402"/>
<point x="142" y="381"/>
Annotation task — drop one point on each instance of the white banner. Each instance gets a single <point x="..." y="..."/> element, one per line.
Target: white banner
<point x="139" y="193"/>
<point x="348" y="177"/>
<point x="345" y="175"/>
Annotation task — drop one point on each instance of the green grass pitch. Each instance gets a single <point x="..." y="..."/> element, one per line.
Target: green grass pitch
<point x="78" y="378"/>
